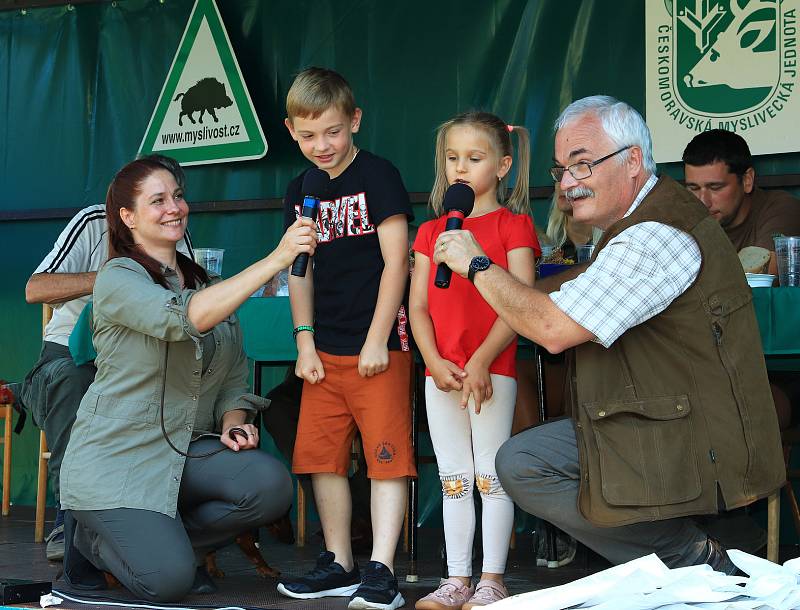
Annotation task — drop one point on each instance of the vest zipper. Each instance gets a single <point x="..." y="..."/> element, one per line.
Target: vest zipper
<point x="717" y="330"/>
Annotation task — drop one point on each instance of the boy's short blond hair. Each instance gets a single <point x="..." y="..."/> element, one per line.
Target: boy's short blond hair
<point x="315" y="90"/>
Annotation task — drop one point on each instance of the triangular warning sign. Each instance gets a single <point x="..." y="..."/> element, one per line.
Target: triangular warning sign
<point x="204" y="113"/>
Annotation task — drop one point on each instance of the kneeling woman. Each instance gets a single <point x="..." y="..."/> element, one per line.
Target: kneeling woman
<point x="171" y="381"/>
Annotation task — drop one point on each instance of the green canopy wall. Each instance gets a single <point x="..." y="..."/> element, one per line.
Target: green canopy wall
<point x="78" y="85"/>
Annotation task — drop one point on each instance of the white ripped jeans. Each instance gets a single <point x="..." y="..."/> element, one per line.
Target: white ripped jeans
<point x="465" y="445"/>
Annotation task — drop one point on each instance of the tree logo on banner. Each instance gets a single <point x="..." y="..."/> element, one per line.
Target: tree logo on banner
<point x="204" y="113"/>
<point x="729" y="64"/>
<point x="727" y="60"/>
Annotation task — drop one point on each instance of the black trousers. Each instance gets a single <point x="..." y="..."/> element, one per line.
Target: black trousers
<point x="154" y="555"/>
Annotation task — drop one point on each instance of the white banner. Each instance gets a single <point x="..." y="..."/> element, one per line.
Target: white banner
<point x="722" y="64"/>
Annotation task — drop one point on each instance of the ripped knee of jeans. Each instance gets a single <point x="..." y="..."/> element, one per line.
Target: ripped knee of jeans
<point x="455" y="486"/>
<point x="489" y="485"/>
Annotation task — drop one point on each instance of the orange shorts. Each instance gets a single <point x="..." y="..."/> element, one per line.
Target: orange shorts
<point x="379" y="406"/>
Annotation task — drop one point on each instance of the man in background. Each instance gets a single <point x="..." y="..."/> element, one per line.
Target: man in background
<point x="719" y="171"/>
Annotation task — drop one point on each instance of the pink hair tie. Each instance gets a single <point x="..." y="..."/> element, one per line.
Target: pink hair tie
<point x="510" y="128"/>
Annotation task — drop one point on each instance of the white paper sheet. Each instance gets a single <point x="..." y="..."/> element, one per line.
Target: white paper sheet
<point x="646" y="583"/>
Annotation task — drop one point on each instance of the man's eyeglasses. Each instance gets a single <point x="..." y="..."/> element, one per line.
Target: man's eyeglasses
<point x="582" y="169"/>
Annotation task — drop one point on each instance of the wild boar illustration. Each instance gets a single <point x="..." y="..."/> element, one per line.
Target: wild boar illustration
<point x="207" y="95"/>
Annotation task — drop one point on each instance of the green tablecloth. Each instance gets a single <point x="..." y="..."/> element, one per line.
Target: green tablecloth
<point x="267" y="325"/>
<point x="778" y="315"/>
<point x="267" y="328"/>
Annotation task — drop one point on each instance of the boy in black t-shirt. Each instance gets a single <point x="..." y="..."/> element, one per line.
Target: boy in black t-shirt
<point x="352" y="342"/>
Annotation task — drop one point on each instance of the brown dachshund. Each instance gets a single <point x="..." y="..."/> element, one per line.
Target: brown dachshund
<point x="281" y="529"/>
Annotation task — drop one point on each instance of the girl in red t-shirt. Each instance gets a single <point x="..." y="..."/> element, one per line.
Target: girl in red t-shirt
<point x="469" y="352"/>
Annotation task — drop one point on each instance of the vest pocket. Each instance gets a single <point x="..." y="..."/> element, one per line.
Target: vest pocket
<point x="646" y="450"/>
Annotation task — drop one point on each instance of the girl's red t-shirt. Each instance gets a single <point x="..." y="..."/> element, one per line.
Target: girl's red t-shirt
<point x="461" y="317"/>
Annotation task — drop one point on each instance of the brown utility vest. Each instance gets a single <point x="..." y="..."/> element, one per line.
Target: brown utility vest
<point x="676" y="417"/>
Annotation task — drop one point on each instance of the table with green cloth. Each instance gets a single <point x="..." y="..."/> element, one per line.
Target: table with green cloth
<point x="267" y="328"/>
<point x="778" y="315"/>
<point x="267" y="325"/>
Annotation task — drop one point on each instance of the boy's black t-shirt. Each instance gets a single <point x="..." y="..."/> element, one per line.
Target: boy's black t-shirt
<point x="348" y="262"/>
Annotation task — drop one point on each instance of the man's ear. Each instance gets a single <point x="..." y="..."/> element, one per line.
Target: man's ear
<point x="355" y="122"/>
<point x="290" y="127"/>
<point x="635" y="160"/>
<point x="749" y="180"/>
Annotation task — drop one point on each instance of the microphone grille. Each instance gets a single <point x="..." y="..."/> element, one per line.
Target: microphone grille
<point x="315" y="182"/>
<point x="460" y="197"/>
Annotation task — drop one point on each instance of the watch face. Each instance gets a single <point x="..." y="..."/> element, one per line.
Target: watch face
<point x="480" y="263"/>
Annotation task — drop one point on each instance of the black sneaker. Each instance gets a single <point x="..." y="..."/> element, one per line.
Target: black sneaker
<point x="55" y="544"/>
<point x="378" y="590"/>
<point x="328" y="579"/>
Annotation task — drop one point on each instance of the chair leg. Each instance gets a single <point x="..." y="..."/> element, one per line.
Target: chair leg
<point x="41" y="490"/>
<point x="300" y="538"/>
<point x="787" y="487"/>
<point x="405" y="530"/>
<point x="7" y="460"/>
<point x="773" y="525"/>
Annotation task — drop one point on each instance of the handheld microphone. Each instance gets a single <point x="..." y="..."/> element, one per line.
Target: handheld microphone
<point x="315" y="185"/>
<point x="458" y="201"/>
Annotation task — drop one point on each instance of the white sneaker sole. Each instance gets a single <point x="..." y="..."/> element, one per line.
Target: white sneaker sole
<point x="359" y="603"/>
<point x="541" y="562"/>
<point x="338" y="592"/>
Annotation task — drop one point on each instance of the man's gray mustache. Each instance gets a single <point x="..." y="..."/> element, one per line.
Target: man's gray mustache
<point x="578" y="192"/>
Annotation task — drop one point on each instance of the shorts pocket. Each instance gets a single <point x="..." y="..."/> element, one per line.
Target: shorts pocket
<point x="646" y="451"/>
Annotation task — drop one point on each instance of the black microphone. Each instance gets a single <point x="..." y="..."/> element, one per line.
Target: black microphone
<point x="458" y="201"/>
<point x="315" y="185"/>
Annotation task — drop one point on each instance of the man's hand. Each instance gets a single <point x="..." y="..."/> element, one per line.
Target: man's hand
<point x="456" y="249"/>
<point x="58" y="287"/>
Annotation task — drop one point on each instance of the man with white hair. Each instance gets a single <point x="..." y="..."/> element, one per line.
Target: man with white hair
<point x="671" y="412"/>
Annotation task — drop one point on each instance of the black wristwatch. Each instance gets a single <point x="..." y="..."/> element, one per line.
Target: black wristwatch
<point x="478" y="263"/>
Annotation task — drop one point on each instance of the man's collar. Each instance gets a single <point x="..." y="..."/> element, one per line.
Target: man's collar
<point x="648" y="186"/>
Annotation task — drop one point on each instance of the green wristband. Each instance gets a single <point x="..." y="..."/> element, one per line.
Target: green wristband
<point x="301" y="328"/>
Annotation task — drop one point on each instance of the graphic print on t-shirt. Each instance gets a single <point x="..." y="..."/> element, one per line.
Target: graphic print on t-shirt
<point x="348" y="263"/>
<point x="343" y="217"/>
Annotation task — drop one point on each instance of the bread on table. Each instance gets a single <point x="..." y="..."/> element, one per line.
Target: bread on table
<point x="754" y="259"/>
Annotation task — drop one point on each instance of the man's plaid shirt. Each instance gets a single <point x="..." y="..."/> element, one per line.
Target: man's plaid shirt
<point x="634" y="277"/>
